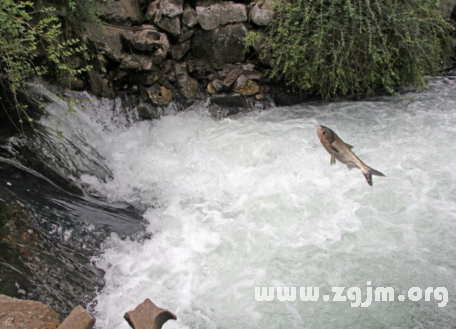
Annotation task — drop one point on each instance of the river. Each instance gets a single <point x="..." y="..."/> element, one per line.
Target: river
<point x="253" y="201"/>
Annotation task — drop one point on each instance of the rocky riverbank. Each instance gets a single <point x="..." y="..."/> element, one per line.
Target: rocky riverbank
<point x="182" y="52"/>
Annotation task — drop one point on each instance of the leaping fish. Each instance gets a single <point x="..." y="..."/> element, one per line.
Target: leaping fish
<point x="341" y="151"/>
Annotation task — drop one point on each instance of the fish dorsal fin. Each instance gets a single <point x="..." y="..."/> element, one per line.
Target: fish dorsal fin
<point x="349" y="146"/>
<point x="334" y="149"/>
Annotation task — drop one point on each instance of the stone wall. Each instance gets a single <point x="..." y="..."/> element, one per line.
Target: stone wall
<point x="179" y="51"/>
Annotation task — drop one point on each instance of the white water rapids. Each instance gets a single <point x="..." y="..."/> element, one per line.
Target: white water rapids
<point x="253" y="202"/>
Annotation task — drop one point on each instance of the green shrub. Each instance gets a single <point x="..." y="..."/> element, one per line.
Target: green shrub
<point x="355" y="47"/>
<point x="30" y="31"/>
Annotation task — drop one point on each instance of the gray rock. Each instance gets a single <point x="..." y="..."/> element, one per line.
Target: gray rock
<point x="79" y="318"/>
<point x="100" y="86"/>
<point x="171" y="8"/>
<point x="220" y="13"/>
<point x="246" y="87"/>
<point x="215" y="86"/>
<point x="188" y="86"/>
<point x="261" y="14"/>
<point x="147" y="39"/>
<point x="107" y="41"/>
<point x="73" y="83"/>
<point x="147" y="316"/>
<point x="169" y="24"/>
<point x="232" y="77"/>
<point x="229" y="100"/>
<point x="160" y="95"/>
<point x="148" y="112"/>
<point x="122" y="11"/>
<point x="189" y="17"/>
<point x="253" y="74"/>
<point x="186" y="33"/>
<point x="137" y="62"/>
<point x="16" y="313"/>
<point x="223" y="44"/>
<point x="178" y="51"/>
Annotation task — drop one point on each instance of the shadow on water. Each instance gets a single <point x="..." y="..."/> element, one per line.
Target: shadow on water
<point x="49" y="226"/>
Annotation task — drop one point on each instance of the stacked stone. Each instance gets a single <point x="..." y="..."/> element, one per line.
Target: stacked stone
<point x="178" y="51"/>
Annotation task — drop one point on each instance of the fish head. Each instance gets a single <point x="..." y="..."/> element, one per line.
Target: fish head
<point x="325" y="134"/>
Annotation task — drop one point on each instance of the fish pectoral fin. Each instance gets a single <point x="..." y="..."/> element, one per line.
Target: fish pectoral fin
<point x="349" y="146"/>
<point x="351" y="165"/>
<point x="333" y="160"/>
<point x="334" y="149"/>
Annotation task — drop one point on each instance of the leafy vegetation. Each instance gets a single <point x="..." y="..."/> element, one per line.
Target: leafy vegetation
<point x="35" y="41"/>
<point x="355" y="47"/>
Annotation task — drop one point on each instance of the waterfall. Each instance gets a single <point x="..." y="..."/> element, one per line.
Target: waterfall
<point x="253" y="201"/>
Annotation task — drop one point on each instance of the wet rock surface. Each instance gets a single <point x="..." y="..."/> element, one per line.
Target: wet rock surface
<point x="50" y="228"/>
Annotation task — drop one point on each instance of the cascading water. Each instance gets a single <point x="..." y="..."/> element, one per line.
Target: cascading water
<point x="253" y="202"/>
<point x="50" y="227"/>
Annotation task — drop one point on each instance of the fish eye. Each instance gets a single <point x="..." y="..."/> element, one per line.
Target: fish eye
<point x="324" y="132"/>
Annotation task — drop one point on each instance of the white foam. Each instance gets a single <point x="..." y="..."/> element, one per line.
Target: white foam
<point x="235" y="204"/>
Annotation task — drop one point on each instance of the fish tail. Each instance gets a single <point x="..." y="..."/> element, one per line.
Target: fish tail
<point x="368" y="172"/>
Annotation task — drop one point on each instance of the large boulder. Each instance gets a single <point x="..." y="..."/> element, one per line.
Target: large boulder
<point x="223" y="44"/>
<point x="107" y="40"/>
<point x="220" y="13"/>
<point x="16" y="313"/>
<point x="126" y="12"/>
